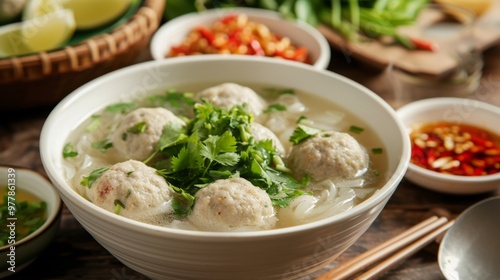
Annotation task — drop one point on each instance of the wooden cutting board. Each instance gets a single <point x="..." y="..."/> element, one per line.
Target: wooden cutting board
<point x="380" y="55"/>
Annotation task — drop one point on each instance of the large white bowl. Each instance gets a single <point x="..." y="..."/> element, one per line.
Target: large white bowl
<point x="301" y="34"/>
<point x="458" y="110"/>
<point x="164" y="253"/>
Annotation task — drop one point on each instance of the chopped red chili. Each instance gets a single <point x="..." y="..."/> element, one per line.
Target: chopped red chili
<point x="456" y="149"/>
<point x="235" y="34"/>
<point x="421" y="44"/>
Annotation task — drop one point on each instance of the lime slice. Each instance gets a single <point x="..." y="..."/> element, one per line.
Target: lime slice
<point x="37" y="8"/>
<point x="49" y="31"/>
<point x="42" y="33"/>
<point x="90" y="14"/>
<point x="11" y="41"/>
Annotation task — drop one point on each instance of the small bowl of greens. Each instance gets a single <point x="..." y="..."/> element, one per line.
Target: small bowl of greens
<point x="30" y="215"/>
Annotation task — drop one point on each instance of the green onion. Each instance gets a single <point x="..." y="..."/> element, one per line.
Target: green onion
<point x="356" y="129"/>
<point x="69" y="151"/>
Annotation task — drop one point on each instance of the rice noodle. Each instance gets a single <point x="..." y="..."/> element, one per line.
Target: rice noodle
<point x="355" y="183"/>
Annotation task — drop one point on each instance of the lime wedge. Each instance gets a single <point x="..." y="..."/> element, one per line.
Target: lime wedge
<point x="11" y="41"/>
<point x="37" y="8"/>
<point x="90" y="14"/>
<point x="42" y="33"/>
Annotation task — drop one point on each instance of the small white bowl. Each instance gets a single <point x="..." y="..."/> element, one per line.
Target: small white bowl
<point x="458" y="110"/>
<point x="29" y="248"/>
<point x="301" y="34"/>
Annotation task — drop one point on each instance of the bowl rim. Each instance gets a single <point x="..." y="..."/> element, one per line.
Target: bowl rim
<point x="430" y="104"/>
<point x="52" y="218"/>
<point x="322" y="61"/>
<point x="67" y="191"/>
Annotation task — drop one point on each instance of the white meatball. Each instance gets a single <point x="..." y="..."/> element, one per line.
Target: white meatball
<point x="228" y="95"/>
<point x="133" y="144"/>
<point x="329" y="155"/>
<point x="260" y="132"/>
<point x="232" y="205"/>
<point x="134" y="190"/>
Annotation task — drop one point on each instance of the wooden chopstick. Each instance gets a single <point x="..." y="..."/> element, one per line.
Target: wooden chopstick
<point x="404" y="254"/>
<point x="381" y="251"/>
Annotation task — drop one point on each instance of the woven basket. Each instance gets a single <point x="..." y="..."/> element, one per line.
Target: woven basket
<point x="45" y="78"/>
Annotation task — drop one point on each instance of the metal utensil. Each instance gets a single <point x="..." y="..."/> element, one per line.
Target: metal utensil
<point x="471" y="247"/>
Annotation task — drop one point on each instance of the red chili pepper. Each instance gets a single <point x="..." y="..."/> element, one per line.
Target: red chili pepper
<point x="234" y="37"/>
<point x="463" y="157"/>
<point x="300" y="54"/>
<point x="229" y="18"/>
<point x="181" y="49"/>
<point x="469" y="170"/>
<point x="207" y="34"/>
<point x="421" y="44"/>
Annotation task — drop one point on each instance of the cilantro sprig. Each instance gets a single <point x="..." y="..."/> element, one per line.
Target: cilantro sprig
<point x="218" y="144"/>
<point x="302" y="133"/>
<point x="87" y="181"/>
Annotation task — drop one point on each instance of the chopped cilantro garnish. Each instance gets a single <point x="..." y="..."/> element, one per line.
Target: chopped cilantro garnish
<point x="279" y="91"/>
<point x="95" y="122"/>
<point x="356" y="129"/>
<point x="118" y="206"/>
<point x="87" y="181"/>
<point x="217" y="144"/>
<point x="138" y="128"/>
<point x="102" y="145"/>
<point x="275" y="108"/>
<point x="119" y="107"/>
<point x="174" y="99"/>
<point x="301" y="118"/>
<point x="69" y="151"/>
<point x="301" y="133"/>
<point x="377" y="151"/>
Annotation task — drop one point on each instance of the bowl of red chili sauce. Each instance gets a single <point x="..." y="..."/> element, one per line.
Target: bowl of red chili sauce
<point x="455" y="144"/>
<point x="241" y="31"/>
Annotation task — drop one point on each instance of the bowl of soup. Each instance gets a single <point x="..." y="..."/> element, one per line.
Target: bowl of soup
<point x="31" y="215"/>
<point x="263" y="169"/>
<point x="455" y="145"/>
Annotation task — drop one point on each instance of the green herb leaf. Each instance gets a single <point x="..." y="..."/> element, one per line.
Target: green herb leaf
<point x="302" y="133"/>
<point x="69" y="151"/>
<point x="217" y="144"/>
<point x="87" y="181"/>
<point x="102" y="145"/>
<point x="356" y="129"/>
<point x="275" y="108"/>
<point x="174" y="99"/>
<point x="118" y="206"/>
<point x="138" y="128"/>
<point x="119" y="107"/>
<point x="182" y="202"/>
<point x="95" y="122"/>
<point x="377" y="151"/>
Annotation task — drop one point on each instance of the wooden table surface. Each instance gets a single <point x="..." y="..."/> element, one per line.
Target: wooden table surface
<point x="74" y="254"/>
